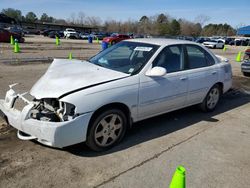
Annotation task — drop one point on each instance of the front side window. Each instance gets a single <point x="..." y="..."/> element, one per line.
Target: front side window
<point x="170" y="59"/>
<point x="196" y="57"/>
<point x="127" y="57"/>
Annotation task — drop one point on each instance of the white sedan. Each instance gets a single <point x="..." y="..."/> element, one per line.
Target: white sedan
<point x="214" y="44"/>
<point x="96" y="101"/>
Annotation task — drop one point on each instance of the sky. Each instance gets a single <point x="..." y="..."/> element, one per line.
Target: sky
<point x="233" y="12"/>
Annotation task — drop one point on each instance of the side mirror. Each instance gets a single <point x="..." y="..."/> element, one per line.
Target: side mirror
<point x="156" y="71"/>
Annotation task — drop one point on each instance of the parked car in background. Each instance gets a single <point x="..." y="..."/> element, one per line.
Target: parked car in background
<point x="94" y="36"/>
<point x="189" y="38"/>
<point x="232" y="42"/>
<point x="240" y="42"/>
<point x="53" y="34"/>
<point x="136" y="36"/>
<point x="17" y="30"/>
<point x="5" y="36"/>
<point x="100" y="36"/>
<point x="71" y="33"/>
<point x="84" y="36"/>
<point x="245" y="66"/>
<point x="46" y="32"/>
<point x="115" y="38"/>
<point x="228" y="40"/>
<point x="245" y="42"/>
<point x="32" y="30"/>
<point x="214" y="44"/>
<point x="131" y="81"/>
<point x="201" y="40"/>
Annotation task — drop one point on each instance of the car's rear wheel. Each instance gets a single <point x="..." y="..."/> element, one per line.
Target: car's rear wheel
<point x="113" y="42"/>
<point x="107" y="129"/>
<point x="212" y="98"/>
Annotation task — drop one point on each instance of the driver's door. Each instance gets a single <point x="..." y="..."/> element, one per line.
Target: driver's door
<point x="166" y="93"/>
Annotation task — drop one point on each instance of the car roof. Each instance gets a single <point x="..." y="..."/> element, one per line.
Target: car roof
<point x="161" y="41"/>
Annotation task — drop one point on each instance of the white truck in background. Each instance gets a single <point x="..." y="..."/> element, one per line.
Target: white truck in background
<point x="70" y="33"/>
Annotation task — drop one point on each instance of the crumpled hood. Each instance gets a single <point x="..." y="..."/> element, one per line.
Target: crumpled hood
<point x="65" y="76"/>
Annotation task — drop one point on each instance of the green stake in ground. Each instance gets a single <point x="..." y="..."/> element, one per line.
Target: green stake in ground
<point x="238" y="57"/>
<point x="225" y="48"/>
<point x="11" y="40"/>
<point x="178" y="180"/>
<point x="70" y="56"/>
<point x="97" y="40"/>
<point x="16" y="47"/>
<point x="57" y="41"/>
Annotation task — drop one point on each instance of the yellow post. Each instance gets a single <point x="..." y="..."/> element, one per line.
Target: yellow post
<point x="97" y="40"/>
<point x="70" y="56"/>
<point x="12" y="40"/>
<point x="16" y="48"/>
<point x="57" y="41"/>
<point x="225" y="48"/>
<point x="178" y="180"/>
<point x="238" y="57"/>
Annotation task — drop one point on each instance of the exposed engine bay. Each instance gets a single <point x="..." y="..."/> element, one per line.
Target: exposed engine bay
<point x="52" y="110"/>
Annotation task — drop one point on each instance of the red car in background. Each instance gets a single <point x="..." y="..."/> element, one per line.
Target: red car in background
<point x="5" y="36"/>
<point x="114" y="38"/>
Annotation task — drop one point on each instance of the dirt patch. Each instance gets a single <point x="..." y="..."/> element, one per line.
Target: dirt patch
<point x="5" y="129"/>
<point x="240" y="82"/>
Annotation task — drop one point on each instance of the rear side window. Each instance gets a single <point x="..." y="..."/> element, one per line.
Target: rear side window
<point x="196" y="57"/>
<point x="209" y="59"/>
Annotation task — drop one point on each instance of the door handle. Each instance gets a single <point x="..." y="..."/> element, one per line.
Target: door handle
<point x="183" y="78"/>
<point x="214" y="72"/>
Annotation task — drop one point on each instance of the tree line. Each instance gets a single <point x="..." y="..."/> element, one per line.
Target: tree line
<point x="160" y="24"/>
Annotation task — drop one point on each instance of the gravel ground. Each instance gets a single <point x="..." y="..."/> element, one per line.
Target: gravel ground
<point x="214" y="147"/>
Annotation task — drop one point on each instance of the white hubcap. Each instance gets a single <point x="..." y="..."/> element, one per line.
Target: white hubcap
<point x="213" y="98"/>
<point x="108" y="130"/>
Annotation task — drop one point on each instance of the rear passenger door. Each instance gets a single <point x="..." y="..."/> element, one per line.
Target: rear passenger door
<point x="202" y="74"/>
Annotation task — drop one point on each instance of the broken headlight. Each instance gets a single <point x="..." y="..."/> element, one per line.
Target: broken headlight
<point x="52" y="110"/>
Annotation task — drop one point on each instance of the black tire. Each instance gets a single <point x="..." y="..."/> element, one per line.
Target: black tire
<point x="113" y="42"/>
<point x="247" y="74"/>
<point x="206" y="106"/>
<point x="214" y="47"/>
<point x="222" y="47"/>
<point x="97" y="131"/>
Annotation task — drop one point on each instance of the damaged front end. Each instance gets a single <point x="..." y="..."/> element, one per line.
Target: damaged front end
<point x="50" y="121"/>
<point x="52" y="110"/>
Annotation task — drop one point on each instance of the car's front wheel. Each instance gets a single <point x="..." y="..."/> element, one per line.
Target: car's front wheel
<point x="107" y="129"/>
<point x="212" y="98"/>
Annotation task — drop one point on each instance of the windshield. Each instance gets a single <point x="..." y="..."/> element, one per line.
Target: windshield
<point x="127" y="57"/>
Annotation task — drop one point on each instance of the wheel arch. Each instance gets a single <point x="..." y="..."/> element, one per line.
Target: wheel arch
<point x="221" y="86"/>
<point x="115" y="105"/>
